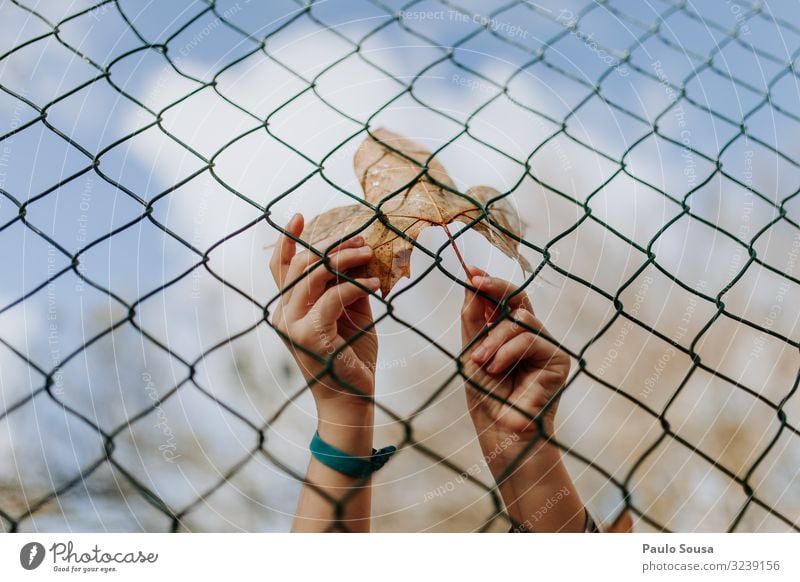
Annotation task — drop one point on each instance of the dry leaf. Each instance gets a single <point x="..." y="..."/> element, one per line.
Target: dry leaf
<point x="419" y="204"/>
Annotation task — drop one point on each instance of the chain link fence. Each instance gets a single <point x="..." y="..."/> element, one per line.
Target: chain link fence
<point x="662" y="224"/>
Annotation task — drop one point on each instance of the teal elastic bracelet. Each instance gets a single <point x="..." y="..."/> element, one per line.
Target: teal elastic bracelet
<point x="346" y="463"/>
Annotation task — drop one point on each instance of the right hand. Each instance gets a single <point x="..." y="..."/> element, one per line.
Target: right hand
<point x="516" y="365"/>
<point x="322" y="315"/>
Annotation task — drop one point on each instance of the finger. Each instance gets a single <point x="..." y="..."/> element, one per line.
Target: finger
<point x="472" y="318"/>
<point x="303" y="260"/>
<point x="285" y="249"/>
<point x="538" y="350"/>
<point x="518" y="348"/>
<point x="310" y="288"/>
<point x="501" y="334"/>
<point x="500" y="289"/>
<point x="333" y="302"/>
<point x="473" y="311"/>
<point x="474" y="271"/>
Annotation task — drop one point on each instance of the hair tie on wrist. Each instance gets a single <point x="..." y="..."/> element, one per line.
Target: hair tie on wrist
<point x="589" y="525"/>
<point x="346" y="463"/>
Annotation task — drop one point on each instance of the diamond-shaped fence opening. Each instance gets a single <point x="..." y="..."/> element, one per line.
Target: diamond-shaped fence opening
<point x="149" y="154"/>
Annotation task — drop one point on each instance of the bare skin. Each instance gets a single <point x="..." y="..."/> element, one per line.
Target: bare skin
<point x="521" y="368"/>
<point x="322" y="318"/>
<point x="525" y="370"/>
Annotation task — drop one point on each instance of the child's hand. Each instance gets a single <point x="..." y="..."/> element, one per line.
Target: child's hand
<point x="515" y="365"/>
<point x="524" y="370"/>
<point x="321" y="315"/>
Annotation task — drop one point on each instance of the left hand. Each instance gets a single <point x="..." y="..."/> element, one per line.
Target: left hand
<point x="322" y="315"/>
<point x="515" y="365"/>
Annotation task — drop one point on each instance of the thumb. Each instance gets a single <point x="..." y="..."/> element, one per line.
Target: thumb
<point x="473" y="319"/>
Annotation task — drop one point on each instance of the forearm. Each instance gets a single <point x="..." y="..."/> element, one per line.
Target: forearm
<point x="345" y="502"/>
<point x="537" y="490"/>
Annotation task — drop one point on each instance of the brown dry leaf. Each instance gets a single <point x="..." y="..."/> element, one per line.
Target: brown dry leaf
<point x="421" y="204"/>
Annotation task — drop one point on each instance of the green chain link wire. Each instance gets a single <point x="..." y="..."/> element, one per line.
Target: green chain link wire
<point x="538" y="57"/>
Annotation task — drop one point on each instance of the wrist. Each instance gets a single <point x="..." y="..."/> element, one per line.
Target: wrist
<point x="503" y="448"/>
<point x="331" y="394"/>
<point x="347" y="410"/>
<point x="532" y="479"/>
<point x="539" y="493"/>
<point x="348" y="428"/>
<point x="491" y="429"/>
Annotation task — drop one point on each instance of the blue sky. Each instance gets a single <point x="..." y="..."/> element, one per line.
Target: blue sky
<point x="517" y="77"/>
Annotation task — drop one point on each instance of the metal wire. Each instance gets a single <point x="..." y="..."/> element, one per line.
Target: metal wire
<point x="540" y="57"/>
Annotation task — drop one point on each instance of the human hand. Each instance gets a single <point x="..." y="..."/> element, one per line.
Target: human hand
<point x="321" y="315"/>
<point x="524" y="371"/>
<point x="512" y="363"/>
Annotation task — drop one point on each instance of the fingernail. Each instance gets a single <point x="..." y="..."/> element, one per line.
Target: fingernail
<point x="491" y="368"/>
<point x="357" y="241"/>
<point x="373" y="282"/>
<point x="365" y="251"/>
<point x="480" y="353"/>
<point x="477" y="280"/>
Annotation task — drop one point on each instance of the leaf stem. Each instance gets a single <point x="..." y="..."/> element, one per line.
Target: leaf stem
<point x="455" y="248"/>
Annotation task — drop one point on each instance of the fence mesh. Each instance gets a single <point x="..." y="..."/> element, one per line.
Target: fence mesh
<point x="733" y="26"/>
